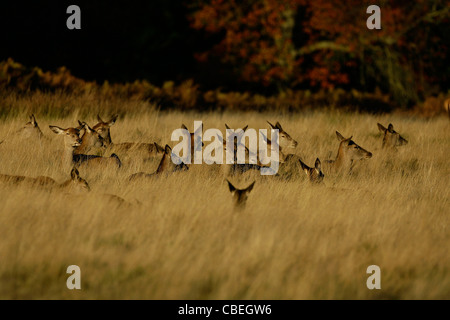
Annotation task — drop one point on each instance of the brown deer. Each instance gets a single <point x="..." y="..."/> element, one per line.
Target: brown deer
<point x="315" y="174"/>
<point x="193" y="141"/>
<point x="285" y="140"/>
<point x="103" y="129"/>
<point x="90" y="139"/>
<point x="391" y="138"/>
<point x="166" y="165"/>
<point x="75" y="183"/>
<point x="240" y="196"/>
<point x="70" y="158"/>
<point x="31" y="130"/>
<point x="235" y="168"/>
<point x="348" y="153"/>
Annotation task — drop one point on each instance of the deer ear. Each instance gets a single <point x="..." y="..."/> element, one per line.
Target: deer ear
<point x="231" y="187"/>
<point x="167" y="149"/>
<point x="85" y="126"/>
<point x="304" y="166"/>
<point x="57" y="130"/>
<point x="278" y="126"/>
<point x="33" y="120"/>
<point x="184" y="127"/>
<point x="273" y="127"/>
<point x="112" y="120"/>
<point x="391" y="128"/>
<point x="226" y="126"/>
<point x="250" y="187"/>
<point x="318" y="165"/>
<point x="381" y="127"/>
<point x="340" y="136"/>
<point x="99" y="119"/>
<point x="245" y="128"/>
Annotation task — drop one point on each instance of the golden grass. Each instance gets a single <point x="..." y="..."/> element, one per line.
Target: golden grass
<point x="180" y="238"/>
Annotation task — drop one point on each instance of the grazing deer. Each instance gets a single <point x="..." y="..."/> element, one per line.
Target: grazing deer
<point x="70" y="158"/>
<point x="348" y="153"/>
<point x="391" y="138"/>
<point x="75" y="183"/>
<point x="315" y="174"/>
<point x="240" y="195"/>
<point x="166" y="165"/>
<point x="103" y="129"/>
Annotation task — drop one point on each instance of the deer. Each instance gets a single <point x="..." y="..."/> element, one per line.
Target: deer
<point x="391" y="138"/>
<point x="315" y="174"/>
<point x="286" y="142"/>
<point x="30" y="131"/>
<point x="348" y="153"/>
<point x="71" y="158"/>
<point x="75" y="183"/>
<point x="238" y="167"/>
<point x="103" y="128"/>
<point x="240" y="196"/>
<point x="193" y="135"/>
<point x="90" y="139"/>
<point x="166" y="165"/>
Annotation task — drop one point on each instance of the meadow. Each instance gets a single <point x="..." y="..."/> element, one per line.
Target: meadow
<point x="179" y="236"/>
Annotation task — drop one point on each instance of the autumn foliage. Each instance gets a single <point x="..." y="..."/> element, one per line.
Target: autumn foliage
<point x="326" y="44"/>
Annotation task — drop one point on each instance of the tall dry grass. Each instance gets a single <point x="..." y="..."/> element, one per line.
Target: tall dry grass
<point x="178" y="237"/>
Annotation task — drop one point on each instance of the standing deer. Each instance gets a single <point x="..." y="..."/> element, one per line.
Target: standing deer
<point x="70" y="158"/>
<point x="391" y="138"/>
<point x="240" y="195"/>
<point x="348" y="153"/>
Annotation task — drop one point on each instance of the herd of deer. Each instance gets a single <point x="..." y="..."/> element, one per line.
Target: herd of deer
<point x="80" y="141"/>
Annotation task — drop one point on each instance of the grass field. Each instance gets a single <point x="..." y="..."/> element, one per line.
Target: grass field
<point x="179" y="236"/>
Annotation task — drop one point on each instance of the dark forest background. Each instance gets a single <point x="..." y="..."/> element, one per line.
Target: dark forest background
<point x="267" y="48"/>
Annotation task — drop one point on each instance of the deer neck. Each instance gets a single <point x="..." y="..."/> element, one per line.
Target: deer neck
<point x="342" y="160"/>
<point x="67" y="157"/>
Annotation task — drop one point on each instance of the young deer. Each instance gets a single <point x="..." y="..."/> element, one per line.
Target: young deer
<point x="348" y="153"/>
<point x="70" y="158"/>
<point x="240" y="195"/>
<point x="391" y="138"/>
<point x="165" y="166"/>
<point x="315" y="174"/>
<point x="75" y="183"/>
<point x="103" y="129"/>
